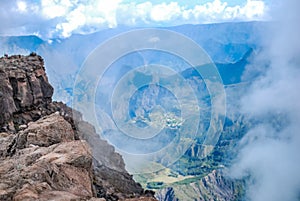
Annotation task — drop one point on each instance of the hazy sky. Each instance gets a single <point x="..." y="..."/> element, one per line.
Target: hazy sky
<point x="61" y="18"/>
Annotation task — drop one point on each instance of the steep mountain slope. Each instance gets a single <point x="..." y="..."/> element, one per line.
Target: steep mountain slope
<point x="48" y="153"/>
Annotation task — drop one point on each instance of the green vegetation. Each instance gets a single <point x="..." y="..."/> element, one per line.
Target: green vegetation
<point x="195" y="163"/>
<point x="184" y="175"/>
<point x="190" y="180"/>
<point x="155" y="185"/>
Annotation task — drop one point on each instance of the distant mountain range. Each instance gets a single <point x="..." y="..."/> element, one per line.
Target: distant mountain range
<point x="230" y="46"/>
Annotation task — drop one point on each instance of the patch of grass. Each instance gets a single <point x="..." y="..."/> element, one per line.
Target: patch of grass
<point x="155" y="185"/>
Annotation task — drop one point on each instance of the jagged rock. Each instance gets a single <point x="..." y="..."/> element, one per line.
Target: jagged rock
<point x="23" y="85"/>
<point x="115" y="183"/>
<point x="103" y="152"/>
<point x="167" y="194"/>
<point x="47" y="152"/>
<point x="47" y="131"/>
<point x="33" y="171"/>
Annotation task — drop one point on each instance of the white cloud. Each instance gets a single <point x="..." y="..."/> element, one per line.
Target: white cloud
<point x="218" y="11"/>
<point x="22" y="6"/>
<point x="133" y="14"/>
<point x="75" y="20"/>
<point x="165" y="12"/>
<point x="108" y="10"/>
<point x="174" y="14"/>
<point x="56" y="8"/>
<point x="64" y="17"/>
<point x="253" y="9"/>
<point x="210" y="9"/>
<point x="270" y="153"/>
<point x="96" y="13"/>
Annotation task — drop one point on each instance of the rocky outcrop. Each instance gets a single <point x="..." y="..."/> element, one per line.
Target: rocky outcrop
<point x="45" y="153"/>
<point x="167" y="194"/>
<point x="34" y="172"/>
<point x="23" y="85"/>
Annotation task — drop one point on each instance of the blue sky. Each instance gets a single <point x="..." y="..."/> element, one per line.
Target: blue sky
<point x="191" y="3"/>
<point x="62" y="18"/>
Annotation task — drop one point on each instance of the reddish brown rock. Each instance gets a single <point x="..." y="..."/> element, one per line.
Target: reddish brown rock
<point x="46" y="154"/>
<point x="33" y="171"/>
<point x="23" y="85"/>
<point x="46" y="131"/>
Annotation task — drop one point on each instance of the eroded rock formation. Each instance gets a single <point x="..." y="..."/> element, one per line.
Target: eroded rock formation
<point x="45" y="153"/>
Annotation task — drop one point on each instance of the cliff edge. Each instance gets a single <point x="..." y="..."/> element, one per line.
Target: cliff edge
<point x="46" y="153"/>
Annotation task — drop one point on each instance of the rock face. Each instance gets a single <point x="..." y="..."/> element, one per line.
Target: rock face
<point x="45" y="153"/>
<point x="23" y="85"/>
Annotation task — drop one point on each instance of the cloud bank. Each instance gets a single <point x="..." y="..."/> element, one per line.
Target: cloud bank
<point x="61" y="18"/>
<point x="270" y="152"/>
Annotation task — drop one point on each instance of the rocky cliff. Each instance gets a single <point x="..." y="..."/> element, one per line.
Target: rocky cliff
<point x="46" y="153"/>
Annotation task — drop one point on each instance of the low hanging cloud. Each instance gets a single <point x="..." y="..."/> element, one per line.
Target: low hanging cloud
<point x="270" y="151"/>
<point x="62" y="18"/>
